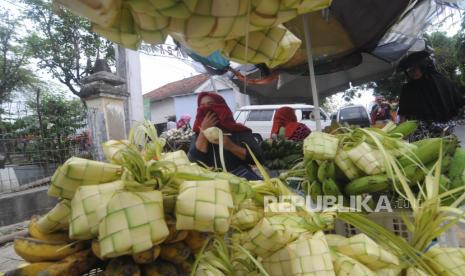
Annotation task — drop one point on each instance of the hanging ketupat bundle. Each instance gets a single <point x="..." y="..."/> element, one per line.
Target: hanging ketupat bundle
<point x="308" y="255"/>
<point x="56" y="219"/>
<point x="203" y="26"/>
<point x="320" y="146"/>
<point x="204" y="206"/>
<point x="77" y="172"/>
<point x="133" y="222"/>
<point x="272" y="46"/>
<point x="85" y="205"/>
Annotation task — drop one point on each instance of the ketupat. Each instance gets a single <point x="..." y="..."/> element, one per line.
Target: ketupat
<point x="447" y="261"/>
<point x="133" y="222"/>
<point x="85" y="205"/>
<point x="308" y="255"/>
<point x="320" y="146"/>
<point x="344" y="265"/>
<point x="56" y="219"/>
<point x="76" y="172"/>
<point x="204" y="206"/>
<point x="363" y="249"/>
<point x="367" y="158"/>
<point x="347" y="166"/>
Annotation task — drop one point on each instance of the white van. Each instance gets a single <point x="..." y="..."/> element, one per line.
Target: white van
<point x="259" y="118"/>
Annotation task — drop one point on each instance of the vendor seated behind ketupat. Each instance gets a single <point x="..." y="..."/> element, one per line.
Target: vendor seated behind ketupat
<point x="213" y="111"/>
<point x="285" y="118"/>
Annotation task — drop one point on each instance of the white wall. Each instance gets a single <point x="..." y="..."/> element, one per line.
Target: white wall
<point x="136" y="107"/>
<point x="159" y="110"/>
<point x="188" y="104"/>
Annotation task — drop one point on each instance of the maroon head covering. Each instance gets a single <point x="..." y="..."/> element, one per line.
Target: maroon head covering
<point x="223" y="113"/>
<point x="285" y="117"/>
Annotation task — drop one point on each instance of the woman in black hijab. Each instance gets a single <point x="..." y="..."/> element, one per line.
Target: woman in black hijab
<point x="428" y="96"/>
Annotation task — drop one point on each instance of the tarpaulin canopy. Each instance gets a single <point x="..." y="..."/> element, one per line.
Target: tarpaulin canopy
<point x="349" y="48"/>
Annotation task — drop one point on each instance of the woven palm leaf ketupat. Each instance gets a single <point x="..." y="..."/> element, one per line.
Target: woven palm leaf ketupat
<point x="56" y="219"/>
<point x="367" y="159"/>
<point x="363" y="249"/>
<point x="77" y="172"/>
<point x="111" y="150"/>
<point x="202" y="26"/>
<point x="204" y="206"/>
<point x="85" y="205"/>
<point x="344" y="265"/>
<point x="320" y="146"/>
<point x="308" y="255"/>
<point x="133" y="222"/>
<point x="180" y="159"/>
<point x="273" y="233"/>
<point x="451" y="260"/>
<point x="348" y="167"/>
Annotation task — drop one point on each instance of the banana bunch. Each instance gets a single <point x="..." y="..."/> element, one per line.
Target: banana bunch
<point x="359" y="165"/>
<point x="321" y="179"/>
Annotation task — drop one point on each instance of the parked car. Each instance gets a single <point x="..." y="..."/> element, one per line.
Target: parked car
<point x="352" y="115"/>
<point x="259" y="118"/>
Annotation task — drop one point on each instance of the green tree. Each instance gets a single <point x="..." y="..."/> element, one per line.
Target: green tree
<point x="64" y="44"/>
<point x="449" y="58"/>
<point x="14" y="59"/>
<point x="460" y="51"/>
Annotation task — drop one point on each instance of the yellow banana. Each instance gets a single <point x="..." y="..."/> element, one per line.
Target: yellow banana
<point x="175" y="252"/>
<point x="96" y="249"/>
<point x="34" y="250"/>
<point x="37" y="234"/>
<point x="29" y="269"/>
<point x="122" y="266"/>
<point x="147" y="256"/>
<point x="73" y="265"/>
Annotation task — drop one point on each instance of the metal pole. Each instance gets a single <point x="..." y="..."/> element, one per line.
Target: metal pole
<point x="212" y="81"/>
<point x="311" y="69"/>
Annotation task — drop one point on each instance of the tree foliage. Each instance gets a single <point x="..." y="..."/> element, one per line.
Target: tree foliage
<point x="14" y="59"/>
<point x="449" y="54"/>
<point x="64" y="44"/>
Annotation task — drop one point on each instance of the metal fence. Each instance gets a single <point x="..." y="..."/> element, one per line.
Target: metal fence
<point x="33" y="145"/>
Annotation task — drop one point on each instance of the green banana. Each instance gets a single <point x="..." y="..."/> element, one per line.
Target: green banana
<point x="322" y="171"/>
<point x="314" y="190"/>
<point x="330" y="188"/>
<point x="457" y="165"/>
<point x="312" y="171"/>
<point x="368" y="184"/>
<point x="331" y="170"/>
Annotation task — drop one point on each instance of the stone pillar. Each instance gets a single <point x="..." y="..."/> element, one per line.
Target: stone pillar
<point x="105" y="97"/>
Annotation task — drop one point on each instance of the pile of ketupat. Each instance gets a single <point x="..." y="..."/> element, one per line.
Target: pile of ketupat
<point x="146" y="212"/>
<point x="352" y="162"/>
<point x="244" y="31"/>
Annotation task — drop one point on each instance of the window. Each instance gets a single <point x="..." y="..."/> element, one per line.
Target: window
<point x="241" y="116"/>
<point x="353" y="113"/>
<point x="307" y="114"/>
<point x="261" y="115"/>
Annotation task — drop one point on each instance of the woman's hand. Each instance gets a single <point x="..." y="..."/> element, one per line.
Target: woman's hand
<point x="210" y="120"/>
